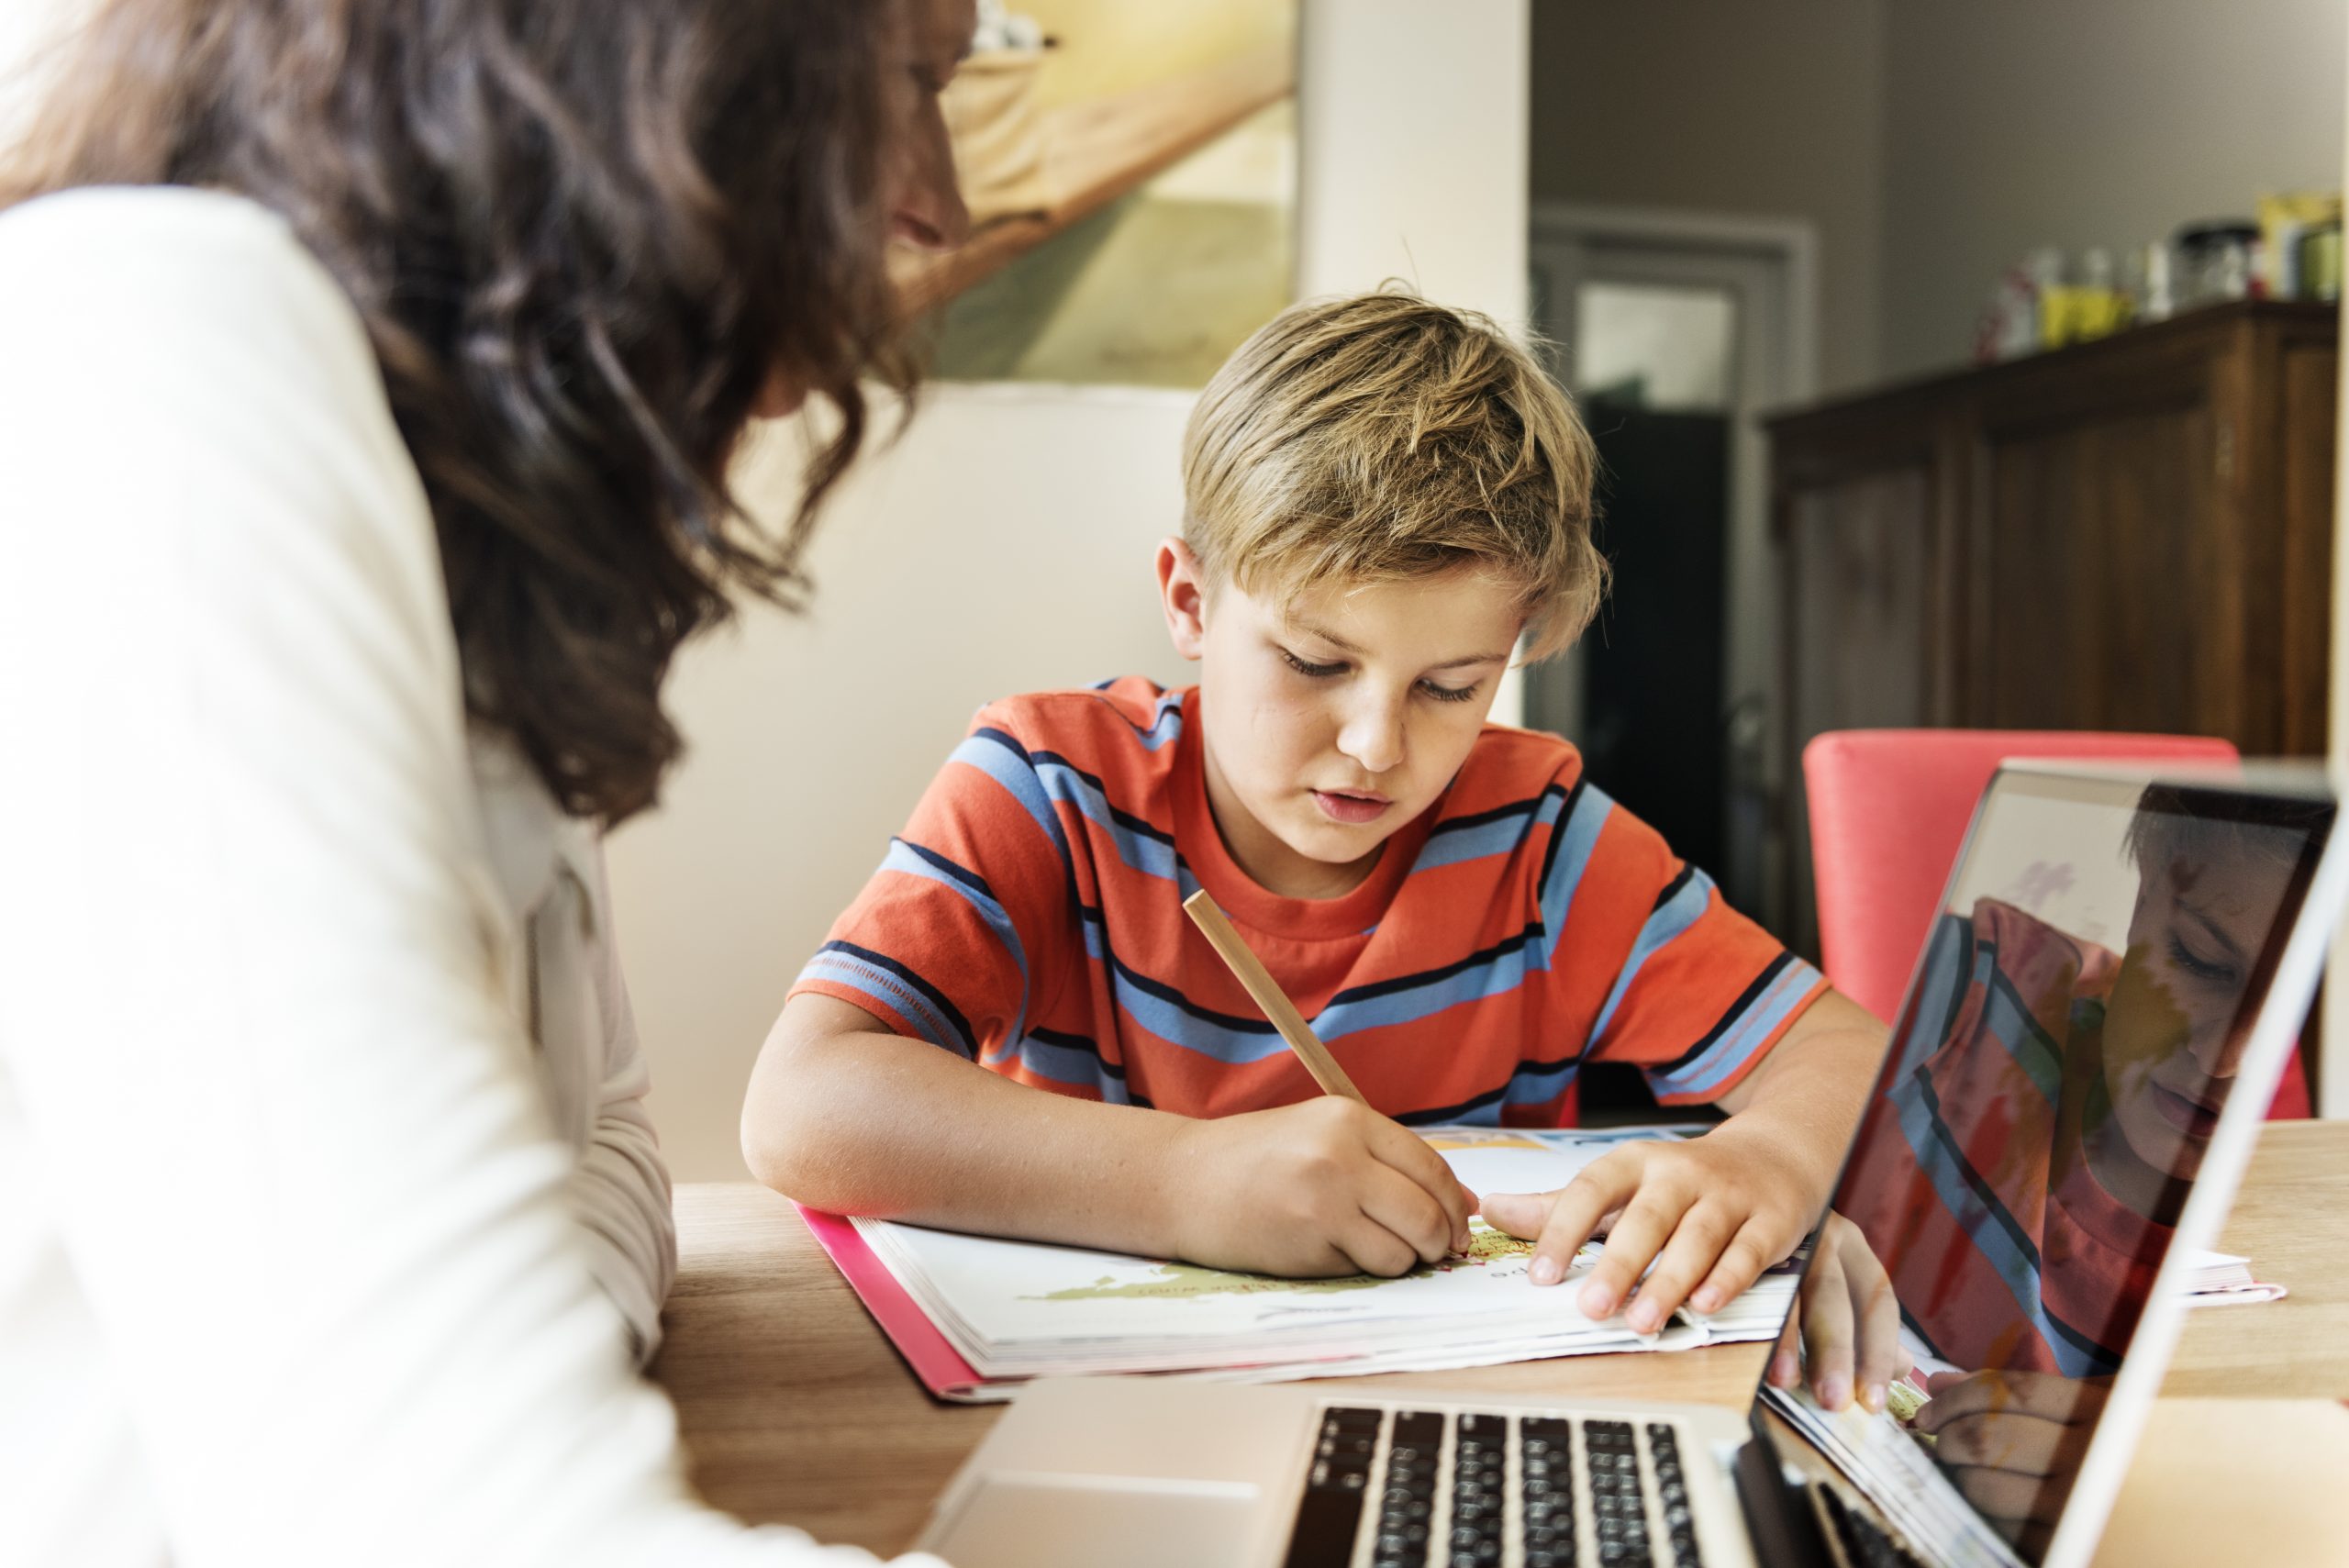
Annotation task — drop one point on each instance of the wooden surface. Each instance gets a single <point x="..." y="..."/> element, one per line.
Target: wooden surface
<point x="2291" y="1219"/>
<point x="795" y="1409"/>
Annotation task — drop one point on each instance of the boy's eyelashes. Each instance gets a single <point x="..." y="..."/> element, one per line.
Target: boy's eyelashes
<point x="2211" y="972"/>
<point x="1318" y="671"/>
<point x="1429" y="688"/>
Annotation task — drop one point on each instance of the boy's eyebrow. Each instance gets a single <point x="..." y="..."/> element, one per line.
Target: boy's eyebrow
<point x="1343" y="646"/>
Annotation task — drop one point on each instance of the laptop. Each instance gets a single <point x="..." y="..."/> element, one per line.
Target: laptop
<point x="2087" y="1047"/>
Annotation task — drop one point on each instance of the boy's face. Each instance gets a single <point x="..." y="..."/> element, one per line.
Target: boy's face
<point x="2175" y="1025"/>
<point x="1333" y="719"/>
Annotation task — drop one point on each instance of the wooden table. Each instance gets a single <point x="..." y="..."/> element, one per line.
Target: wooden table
<point x="793" y="1409"/>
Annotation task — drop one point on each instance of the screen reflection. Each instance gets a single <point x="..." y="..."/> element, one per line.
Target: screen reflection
<point x="2047" y="1103"/>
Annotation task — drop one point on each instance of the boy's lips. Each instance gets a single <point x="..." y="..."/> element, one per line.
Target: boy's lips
<point x="1353" y="809"/>
<point x="2190" y="1117"/>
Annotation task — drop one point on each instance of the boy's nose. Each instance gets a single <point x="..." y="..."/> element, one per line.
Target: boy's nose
<point x="1374" y="738"/>
<point x="2219" y="1052"/>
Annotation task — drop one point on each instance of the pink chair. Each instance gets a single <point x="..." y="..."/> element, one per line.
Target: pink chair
<point x="1889" y="810"/>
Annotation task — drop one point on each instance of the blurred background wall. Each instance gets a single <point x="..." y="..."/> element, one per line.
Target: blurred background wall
<point x="1762" y="111"/>
<point x="1004" y="544"/>
<point x="2012" y="124"/>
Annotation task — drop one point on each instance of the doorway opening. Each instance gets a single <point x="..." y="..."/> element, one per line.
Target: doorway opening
<point x="1676" y="332"/>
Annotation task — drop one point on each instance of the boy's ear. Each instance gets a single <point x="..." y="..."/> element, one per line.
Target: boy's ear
<point x="1182" y="597"/>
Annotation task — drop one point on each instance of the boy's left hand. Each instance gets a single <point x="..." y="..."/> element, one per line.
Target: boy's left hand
<point x="1711" y="1213"/>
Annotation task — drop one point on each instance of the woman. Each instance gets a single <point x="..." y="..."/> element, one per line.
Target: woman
<point x="368" y="374"/>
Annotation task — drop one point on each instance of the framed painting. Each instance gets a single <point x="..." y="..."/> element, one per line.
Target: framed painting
<point x="1132" y="175"/>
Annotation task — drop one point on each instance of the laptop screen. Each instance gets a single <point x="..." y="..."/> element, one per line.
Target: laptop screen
<point x="2072" y="1033"/>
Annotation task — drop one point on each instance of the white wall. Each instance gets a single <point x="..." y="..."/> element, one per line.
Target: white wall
<point x="2017" y="123"/>
<point x="1003" y="545"/>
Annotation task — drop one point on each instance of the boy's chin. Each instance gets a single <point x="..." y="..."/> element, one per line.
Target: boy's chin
<point x="1336" y="845"/>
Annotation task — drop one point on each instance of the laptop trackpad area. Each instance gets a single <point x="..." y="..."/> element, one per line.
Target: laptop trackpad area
<point x="1012" y="1520"/>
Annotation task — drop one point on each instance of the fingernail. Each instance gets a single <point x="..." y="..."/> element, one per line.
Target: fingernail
<point x="1643" y="1318"/>
<point x="1546" y="1270"/>
<point x="1834" y="1390"/>
<point x="1872" y="1396"/>
<point x="1782" y="1370"/>
<point x="1707" y="1300"/>
<point x="1597" y="1302"/>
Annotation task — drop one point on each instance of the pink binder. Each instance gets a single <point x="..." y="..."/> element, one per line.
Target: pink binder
<point x="932" y="1357"/>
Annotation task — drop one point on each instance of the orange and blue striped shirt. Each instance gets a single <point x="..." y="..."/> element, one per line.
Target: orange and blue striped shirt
<point x="1969" y="1178"/>
<point x="1030" y="919"/>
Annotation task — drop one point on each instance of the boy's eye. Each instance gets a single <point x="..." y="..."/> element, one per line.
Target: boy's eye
<point x="1318" y="671"/>
<point x="2216" y="971"/>
<point x="1447" y="694"/>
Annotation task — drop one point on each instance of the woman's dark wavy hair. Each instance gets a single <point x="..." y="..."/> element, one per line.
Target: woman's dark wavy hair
<point x="582" y="236"/>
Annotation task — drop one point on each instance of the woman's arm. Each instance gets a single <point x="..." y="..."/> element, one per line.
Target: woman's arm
<point x="253" y="1017"/>
<point x="620" y="1187"/>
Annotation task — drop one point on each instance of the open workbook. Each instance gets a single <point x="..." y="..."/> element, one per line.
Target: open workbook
<point x="975" y="1316"/>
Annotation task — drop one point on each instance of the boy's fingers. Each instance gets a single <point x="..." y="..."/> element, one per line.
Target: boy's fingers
<point x="1881" y="1359"/>
<point x="1396" y="1146"/>
<point x="1521" y="1215"/>
<point x="1376" y="1249"/>
<point x="1785" y="1362"/>
<point x="1827" y="1332"/>
<point x="1996" y="1492"/>
<point x="1407" y="1211"/>
<point x="2040" y="1394"/>
<point x="1575" y="1210"/>
<point x="2024" y="1444"/>
<point x="1631" y="1247"/>
<point x="1739" y="1264"/>
<point x="1688" y="1258"/>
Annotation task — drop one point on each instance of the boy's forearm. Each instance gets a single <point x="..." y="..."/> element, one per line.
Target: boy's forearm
<point x="863" y="1121"/>
<point x="1808" y="1093"/>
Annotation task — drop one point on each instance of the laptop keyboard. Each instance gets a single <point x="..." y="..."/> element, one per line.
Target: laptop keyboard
<point x="1434" y="1489"/>
<point x="1855" y="1539"/>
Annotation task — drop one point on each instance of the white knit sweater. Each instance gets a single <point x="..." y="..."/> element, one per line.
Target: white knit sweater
<point x="301" y="1231"/>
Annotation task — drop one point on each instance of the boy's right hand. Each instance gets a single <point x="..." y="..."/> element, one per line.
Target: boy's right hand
<point x="1327" y="1186"/>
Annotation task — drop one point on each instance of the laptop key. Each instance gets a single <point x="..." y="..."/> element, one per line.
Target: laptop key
<point x="1323" y="1536"/>
<point x="1329" y="1516"/>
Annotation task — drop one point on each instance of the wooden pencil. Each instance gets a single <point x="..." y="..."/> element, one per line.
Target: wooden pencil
<point x="1260" y="984"/>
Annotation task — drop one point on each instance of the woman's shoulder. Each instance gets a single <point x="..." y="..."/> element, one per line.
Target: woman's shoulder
<point x="177" y="240"/>
<point x="157" y="229"/>
<point x="112" y="279"/>
<point x="160" y="336"/>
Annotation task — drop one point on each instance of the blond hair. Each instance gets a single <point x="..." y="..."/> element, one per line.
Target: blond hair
<point x="1380" y="437"/>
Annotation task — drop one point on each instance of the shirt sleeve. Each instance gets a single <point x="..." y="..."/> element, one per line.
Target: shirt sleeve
<point x="960" y="938"/>
<point x="619" y="1188"/>
<point x="1699" y="993"/>
<point x="254" y="1024"/>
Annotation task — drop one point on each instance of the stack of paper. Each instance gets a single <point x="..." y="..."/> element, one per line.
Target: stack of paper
<point x="1006" y="1311"/>
<point x="1933" y="1518"/>
<point x="2222" y="1279"/>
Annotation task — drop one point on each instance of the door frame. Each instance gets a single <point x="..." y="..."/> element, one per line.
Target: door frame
<point x="1771" y="265"/>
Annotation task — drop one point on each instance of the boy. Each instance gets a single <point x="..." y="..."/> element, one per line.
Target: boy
<point x="1383" y="496"/>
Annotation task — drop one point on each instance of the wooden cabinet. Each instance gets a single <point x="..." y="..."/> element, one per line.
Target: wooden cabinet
<point x="2134" y="534"/>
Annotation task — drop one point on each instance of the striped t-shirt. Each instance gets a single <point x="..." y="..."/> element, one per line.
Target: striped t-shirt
<point x="1968" y="1180"/>
<point x="1030" y="919"/>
